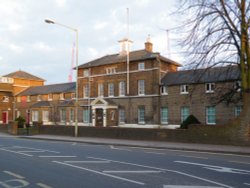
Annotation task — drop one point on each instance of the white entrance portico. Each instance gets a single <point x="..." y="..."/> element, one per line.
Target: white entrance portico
<point x="100" y="109"/>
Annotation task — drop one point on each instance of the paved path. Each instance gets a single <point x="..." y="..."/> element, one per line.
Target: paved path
<point x="148" y="144"/>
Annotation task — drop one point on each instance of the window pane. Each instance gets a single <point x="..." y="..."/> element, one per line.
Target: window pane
<point x="141" y="115"/>
<point x="86" y="115"/>
<point x="141" y="87"/>
<point x="164" y="115"/>
<point x="184" y="113"/>
<point x="211" y="115"/>
<point x="122" y="116"/>
<point x="122" y="88"/>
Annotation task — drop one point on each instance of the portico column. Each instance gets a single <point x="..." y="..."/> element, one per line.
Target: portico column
<point x="104" y="117"/>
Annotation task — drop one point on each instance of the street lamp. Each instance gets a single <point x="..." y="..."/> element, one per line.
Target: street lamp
<point x="49" y="21"/>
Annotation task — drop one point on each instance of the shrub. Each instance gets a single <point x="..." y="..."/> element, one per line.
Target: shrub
<point x="191" y="119"/>
<point x="20" y="121"/>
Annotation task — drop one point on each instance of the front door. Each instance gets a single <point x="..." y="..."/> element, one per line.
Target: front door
<point x="99" y="117"/>
<point x="5" y="117"/>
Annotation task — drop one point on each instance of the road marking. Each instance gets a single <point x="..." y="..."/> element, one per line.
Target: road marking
<point x="87" y="161"/>
<point x="43" y="185"/>
<point x="30" y="151"/>
<point x="187" y="186"/>
<point x="167" y="170"/>
<point x="246" y="184"/>
<point x="16" y="152"/>
<point x="14" y="174"/>
<point x="217" y="168"/>
<point x="157" y="153"/>
<point x="132" y="171"/>
<point x="101" y="173"/>
<point x="37" y="149"/>
<point x="239" y="162"/>
<point x="58" y="156"/>
<point x="73" y="144"/>
<point x="190" y="156"/>
<point x="191" y="151"/>
<point x="115" y="148"/>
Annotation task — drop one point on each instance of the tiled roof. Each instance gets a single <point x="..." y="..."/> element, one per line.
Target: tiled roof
<point x="216" y="74"/>
<point x="55" y="88"/>
<point x="23" y="75"/>
<point x="139" y="55"/>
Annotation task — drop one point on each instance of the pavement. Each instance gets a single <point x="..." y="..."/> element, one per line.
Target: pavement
<point x="142" y="143"/>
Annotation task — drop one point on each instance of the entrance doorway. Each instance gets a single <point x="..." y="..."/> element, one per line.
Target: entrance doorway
<point x="5" y="117"/>
<point x="99" y="117"/>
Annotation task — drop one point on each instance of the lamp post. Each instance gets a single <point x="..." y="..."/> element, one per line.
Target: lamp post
<point x="49" y="21"/>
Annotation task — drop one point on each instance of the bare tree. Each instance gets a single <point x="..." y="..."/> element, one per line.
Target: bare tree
<point x="217" y="31"/>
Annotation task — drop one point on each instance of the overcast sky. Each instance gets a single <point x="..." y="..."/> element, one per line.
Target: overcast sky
<point x="27" y="43"/>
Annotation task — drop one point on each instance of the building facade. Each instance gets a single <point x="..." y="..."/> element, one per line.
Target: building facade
<point x="131" y="89"/>
<point x="10" y="85"/>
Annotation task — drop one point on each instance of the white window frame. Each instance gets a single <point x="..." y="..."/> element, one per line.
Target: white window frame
<point x="86" y="91"/>
<point x="85" y="72"/>
<point x="164" y="115"/>
<point x="50" y="97"/>
<point x="210" y="87"/>
<point x="122" y="90"/>
<point x="141" y="87"/>
<point x="110" y="70"/>
<point x="237" y="86"/>
<point x="61" y="96"/>
<point x="164" y="90"/>
<point x="185" y="112"/>
<point x="111" y="89"/>
<point x="210" y="113"/>
<point x="100" y="89"/>
<point x="141" y="115"/>
<point x="18" y="99"/>
<point x="45" y="115"/>
<point x="28" y="98"/>
<point x="35" y="115"/>
<point x="141" y="66"/>
<point x="121" y="116"/>
<point x="73" y="95"/>
<point x="6" y="99"/>
<point x="38" y="97"/>
<point x="184" y="89"/>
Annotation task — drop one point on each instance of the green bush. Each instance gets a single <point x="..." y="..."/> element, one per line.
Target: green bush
<point x="20" y="121"/>
<point x="191" y="119"/>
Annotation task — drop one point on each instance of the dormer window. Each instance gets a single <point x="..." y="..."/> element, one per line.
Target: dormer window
<point x="61" y="96"/>
<point x="184" y="89"/>
<point x="237" y="86"/>
<point x="38" y="97"/>
<point x="210" y="87"/>
<point x="141" y="66"/>
<point x="164" y="90"/>
<point x="50" y="97"/>
<point x="110" y="70"/>
<point x="5" y="99"/>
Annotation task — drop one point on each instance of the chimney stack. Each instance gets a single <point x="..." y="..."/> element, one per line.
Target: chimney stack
<point x="125" y="46"/>
<point x="149" y="45"/>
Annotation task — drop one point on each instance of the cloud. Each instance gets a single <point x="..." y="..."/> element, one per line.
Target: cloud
<point x="15" y="28"/>
<point x="15" y="48"/>
<point x="100" y="25"/>
<point x="61" y="3"/>
<point x="41" y="46"/>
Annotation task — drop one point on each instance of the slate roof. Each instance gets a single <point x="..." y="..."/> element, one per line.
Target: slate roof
<point x="46" y="89"/>
<point x="41" y="104"/>
<point x="139" y="55"/>
<point x="23" y="75"/>
<point x="67" y="103"/>
<point x="216" y="74"/>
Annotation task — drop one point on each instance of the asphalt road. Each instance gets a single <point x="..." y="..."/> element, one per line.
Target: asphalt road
<point x="46" y="164"/>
